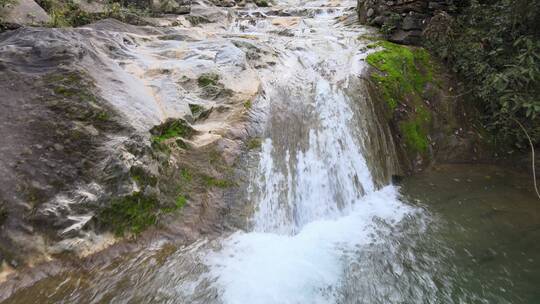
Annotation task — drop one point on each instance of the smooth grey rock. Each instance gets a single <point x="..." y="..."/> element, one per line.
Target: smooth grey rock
<point x="92" y="6"/>
<point x="24" y="12"/>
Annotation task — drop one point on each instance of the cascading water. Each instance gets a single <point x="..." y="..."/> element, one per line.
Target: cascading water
<point x="316" y="200"/>
<point x="324" y="225"/>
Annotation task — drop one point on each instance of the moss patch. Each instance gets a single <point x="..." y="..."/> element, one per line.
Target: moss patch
<point x="216" y="182"/>
<point x="132" y="213"/>
<point x="261" y="3"/>
<point x="403" y="70"/>
<point x="142" y="178"/>
<point x="403" y="73"/>
<point x="254" y="143"/>
<point x="208" y="79"/>
<point x="171" y="129"/>
<point x="195" y="109"/>
<point x="248" y="104"/>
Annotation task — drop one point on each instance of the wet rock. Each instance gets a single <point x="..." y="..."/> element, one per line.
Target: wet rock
<point x="224" y="3"/>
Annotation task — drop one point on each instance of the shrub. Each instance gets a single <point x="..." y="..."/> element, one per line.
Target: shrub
<point x="494" y="46"/>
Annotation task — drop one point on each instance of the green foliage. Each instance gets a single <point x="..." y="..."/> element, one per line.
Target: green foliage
<point x="248" y="104"/>
<point x="495" y="47"/>
<point x="65" y="13"/>
<point x="171" y="129"/>
<point x="403" y="70"/>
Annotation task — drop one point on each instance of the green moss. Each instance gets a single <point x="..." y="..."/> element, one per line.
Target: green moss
<point x="254" y="143"/>
<point x="186" y="175"/>
<point x="172" y="129"/>
<point x="141" y="177"/>
<point x="195" y="109"/>
<point x="403" y="75"/>
<point x="132" y="213"/>
<point x="248" y="105"/>
<point x="215" y="158"/>
<point x="216" y="182"/>
<point x="403" y="70"/>
<point x="208" y="79"/>
<point x="415" y="135"/>
<point x="181" y="201"/>
<point x="261" y="3"/>
<point x="103" y="116"/>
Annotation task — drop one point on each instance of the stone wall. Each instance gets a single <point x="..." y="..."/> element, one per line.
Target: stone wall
<point x="404" y="20"/>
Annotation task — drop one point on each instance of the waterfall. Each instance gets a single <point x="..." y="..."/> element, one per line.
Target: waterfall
<point x="316" y="201"/>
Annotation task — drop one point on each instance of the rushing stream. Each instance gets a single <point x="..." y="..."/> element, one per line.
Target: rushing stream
<point x="325" y="228"/>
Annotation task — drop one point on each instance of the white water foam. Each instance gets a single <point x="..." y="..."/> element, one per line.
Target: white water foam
<point x="261" y="268"/>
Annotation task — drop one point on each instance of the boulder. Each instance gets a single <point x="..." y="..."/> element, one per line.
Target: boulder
<point x="171" y="6"/>
<point x="92" y="6"/>
<point x="23" y="12"/>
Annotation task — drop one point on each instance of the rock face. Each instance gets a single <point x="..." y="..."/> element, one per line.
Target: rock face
<point x="418" y="100"/>
<point x="23" y="12"/>
<point x="403" y="20"/>
<point x="78" y="137"/>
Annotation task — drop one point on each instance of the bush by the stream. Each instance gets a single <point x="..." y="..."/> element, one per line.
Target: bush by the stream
<point x="494" y="46"/>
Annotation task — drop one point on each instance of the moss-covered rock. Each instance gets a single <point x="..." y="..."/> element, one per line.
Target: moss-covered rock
<point x="402" y="75"/>
<point x="415" y="94"/>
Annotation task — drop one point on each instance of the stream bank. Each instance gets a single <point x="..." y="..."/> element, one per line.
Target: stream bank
<point x="249" y="149"/>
